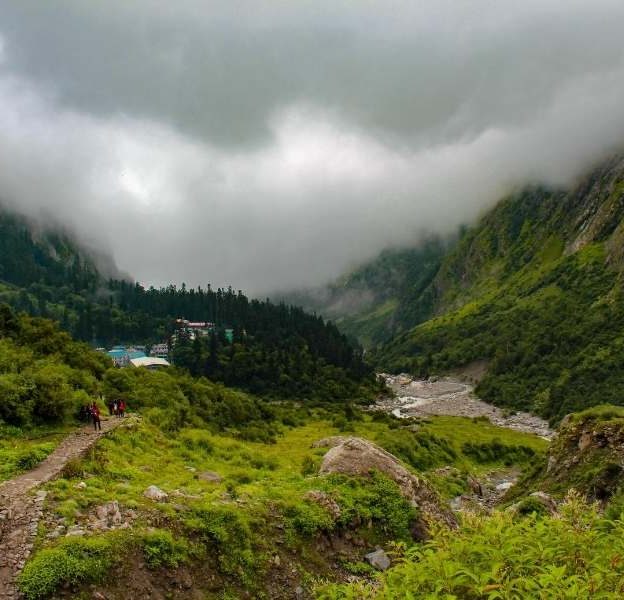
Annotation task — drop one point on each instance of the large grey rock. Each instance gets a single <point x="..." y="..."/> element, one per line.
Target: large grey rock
<point x="378" y="559"/>
<point x="156" y="494"/>
<point x="357" y="456"/>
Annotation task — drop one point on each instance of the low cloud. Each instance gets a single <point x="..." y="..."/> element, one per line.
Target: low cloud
<point x="272" y="146"/>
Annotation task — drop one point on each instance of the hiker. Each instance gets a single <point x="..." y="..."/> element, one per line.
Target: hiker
<point x="85" y="413"/>
<point x="111" y="408"/>
<point x="115" y="408"/>
<point x="95" y="415"/>
<point x="122" y="409"/>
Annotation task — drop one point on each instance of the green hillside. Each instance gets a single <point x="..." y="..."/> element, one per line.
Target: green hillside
<point x="277" y="350"/>
<point x="533" y="291"/>
<point x="380" y="298"/>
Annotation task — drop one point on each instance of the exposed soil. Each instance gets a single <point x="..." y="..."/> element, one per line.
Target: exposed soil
<point x="20" y="510"/>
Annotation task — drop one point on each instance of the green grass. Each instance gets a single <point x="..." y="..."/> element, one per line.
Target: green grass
<point x="262" y="486"/>
<point x="21" y="451"/>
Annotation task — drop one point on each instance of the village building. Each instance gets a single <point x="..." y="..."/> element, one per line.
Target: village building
<point x="160" y="351"/>
<point x="149" y="362"/>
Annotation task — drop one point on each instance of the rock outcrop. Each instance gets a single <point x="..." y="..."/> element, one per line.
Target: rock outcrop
<point x="587" y="455"/>
<point x="357" y="456"/>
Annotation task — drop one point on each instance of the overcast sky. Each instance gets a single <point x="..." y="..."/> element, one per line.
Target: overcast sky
<point x="273" y="144"/>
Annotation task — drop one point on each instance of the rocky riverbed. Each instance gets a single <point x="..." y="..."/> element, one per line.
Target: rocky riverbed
<point x="449" y="396"/>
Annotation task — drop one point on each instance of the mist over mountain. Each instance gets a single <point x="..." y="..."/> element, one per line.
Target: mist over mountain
<point x="273" y="146"/>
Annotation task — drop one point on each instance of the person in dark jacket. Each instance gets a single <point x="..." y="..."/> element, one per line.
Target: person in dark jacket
<point x="95" y="415"/>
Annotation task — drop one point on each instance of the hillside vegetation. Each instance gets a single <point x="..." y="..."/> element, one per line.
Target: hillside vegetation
<point x="252" y="519"/>
<point x="382" y="297"/>
<point x="278" y="350"/>
<point x="533" y="291"/>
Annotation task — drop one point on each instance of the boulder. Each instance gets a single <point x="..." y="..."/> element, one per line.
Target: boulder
<point x="357" y="456"/>
<point x="210" y="476"/>
<point x="378" y="560"/>
<point x="156" y="494"/>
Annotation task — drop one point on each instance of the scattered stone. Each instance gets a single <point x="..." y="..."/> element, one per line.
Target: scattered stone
<point x="75" y="530"/>
<point x="81" y="486"/>
<point x="156" y="494"/>
<point x="181" y="494"/>
<point x="210" y="476"/>
<point x="324" y="500"/>
<point x="503" y="487"/>
<point x="449" y="396"/>
<point x="378" y="560"/>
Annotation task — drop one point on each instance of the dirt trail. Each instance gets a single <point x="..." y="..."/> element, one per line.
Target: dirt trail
<point x="20" y="510"/>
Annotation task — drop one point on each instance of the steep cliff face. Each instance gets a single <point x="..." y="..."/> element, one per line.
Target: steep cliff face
<point x="534" y="290"/>
<point x="533" y="224"/>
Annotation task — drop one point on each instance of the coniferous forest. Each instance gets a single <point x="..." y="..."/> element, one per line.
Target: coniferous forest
<point x="277" y="350"/>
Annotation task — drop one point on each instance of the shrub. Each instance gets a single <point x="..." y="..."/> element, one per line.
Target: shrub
<point x="576" y="554"/>
<point x="309" y="466"/>
<point x="495" y="451"/>
<point x="227" y="530"/>
<point x="308" y="518"/>
<point x="531" y="506"/>
<point x="376" y="499"/>
<point x="197" y="439"/>
<point x="71" y="561"/>
<point x="162" y="549"/>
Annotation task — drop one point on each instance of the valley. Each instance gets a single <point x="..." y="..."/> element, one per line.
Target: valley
<point x="312" y="300"/>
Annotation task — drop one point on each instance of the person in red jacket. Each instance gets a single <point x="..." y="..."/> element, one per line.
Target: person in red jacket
<point x="122" y="408"/>
<point x="95" y="415"/>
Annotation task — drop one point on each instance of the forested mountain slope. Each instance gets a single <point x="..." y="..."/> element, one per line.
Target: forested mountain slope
<point x="382" y="297"/>
<point x="278" y="350"/>
<point x="534" y="290"/>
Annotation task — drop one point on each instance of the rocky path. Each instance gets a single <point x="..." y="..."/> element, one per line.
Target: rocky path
<point x="448" y="396"/>
<point x="20" y="510"/>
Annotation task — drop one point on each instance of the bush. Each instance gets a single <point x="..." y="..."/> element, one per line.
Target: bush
<point x="531" y="506"/>
<point x="495" y="451"/>
<point x="227" y="530"/>
<point x="309" y="466"/>
<point x="577" y="554"/>
<point x="308" y="518"/>
<point x="72" y="561"/>
<point x="376" y="499"/>
<point x="162" y="549"/>
<point x="197" y="439"/>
